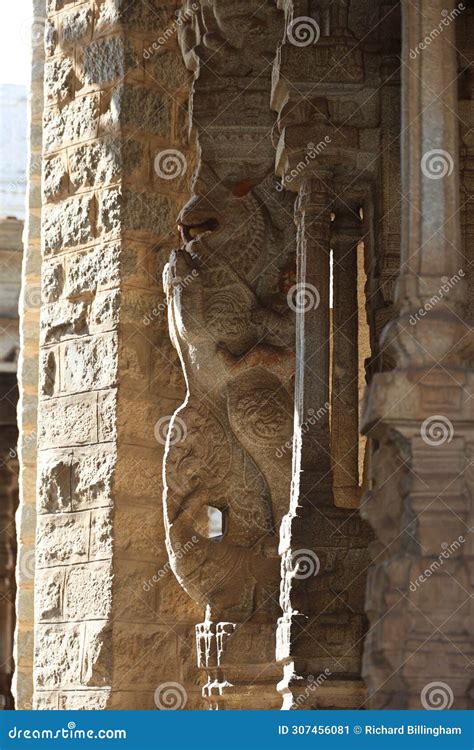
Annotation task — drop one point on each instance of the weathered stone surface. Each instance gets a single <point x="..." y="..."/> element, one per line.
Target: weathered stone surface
<point x="63" y="538"/>
<point x="69" y="224"/>
<point x="88" y="592"/>
<point x="55" y="178"/>
<point x="77" y="121"/>
<point x="140" y="108"/>
<point x="59" y="80"/>
<point x="89" y="363"/>
<point x="106" y="60"/>
<point x="94" y="269"/>
<point x="76" y="26"/>
<point x="131" y="594"/>
<point x="58" y="656"/>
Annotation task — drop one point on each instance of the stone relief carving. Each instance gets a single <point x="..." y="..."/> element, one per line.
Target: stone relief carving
<point x="234" y="335"/>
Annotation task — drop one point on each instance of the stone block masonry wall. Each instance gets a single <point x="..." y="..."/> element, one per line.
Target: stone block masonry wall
<point x="113" y="627"/>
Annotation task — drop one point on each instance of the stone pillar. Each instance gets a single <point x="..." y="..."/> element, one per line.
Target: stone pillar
<point x="234" y="330"/>
<point x="8" y="506"/>
<point x="28" y="367"/>
<point x="115" y="164"/>
<point x="313" y="331"/>
<point x="420" y="415"/>
<point x="323" y="546"/>
<point x="10" y="262"/>
<point x="345" y="364"/>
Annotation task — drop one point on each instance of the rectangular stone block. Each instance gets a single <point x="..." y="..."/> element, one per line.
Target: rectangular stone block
<point x="86" y="700"/>
<point x="95" y="163"/>
<point x="103" y="532"/>
<point x="58" y="656"/>
<point x="88" y="592"/>
<point x="59" y="80"/>
<point x="97" y="268"/>
<point x="107" y="411"/>
<point x="75" y="122"/>
<point x="92" y="474"/>
<point x="98" y="656"/>
<point x="140" y="108"/>
<point x="45" y="700"/>
<point x="55" y="178"/>
<point x="70" y="420"/>
<point x="68" y="224"/>
<point x="63" y="319"/>
<point x="106" y="60"/>
<point x="76" y="26"/>
<point x="49" y="586"/>
<point x="104" y="311"/>
<point x="88" y="364"/>
<point x="54" y="482"/>
<point x="62" y="539"/>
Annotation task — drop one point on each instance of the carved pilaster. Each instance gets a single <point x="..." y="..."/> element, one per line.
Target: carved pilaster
<point x="231" y="323"/>
<point x="420" y="415"/>
<point x="323" y="153"/>
<point x="345" y="370"/>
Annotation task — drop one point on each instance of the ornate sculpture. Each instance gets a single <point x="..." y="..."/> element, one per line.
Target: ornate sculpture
<point x="232" y="333"/>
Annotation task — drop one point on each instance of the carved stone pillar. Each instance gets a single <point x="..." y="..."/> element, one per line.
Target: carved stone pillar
<point x="345" y="370"/>
<point x="228" y="477"/>
<point x="323" y="546"/>
<point x="420" y="415"/>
